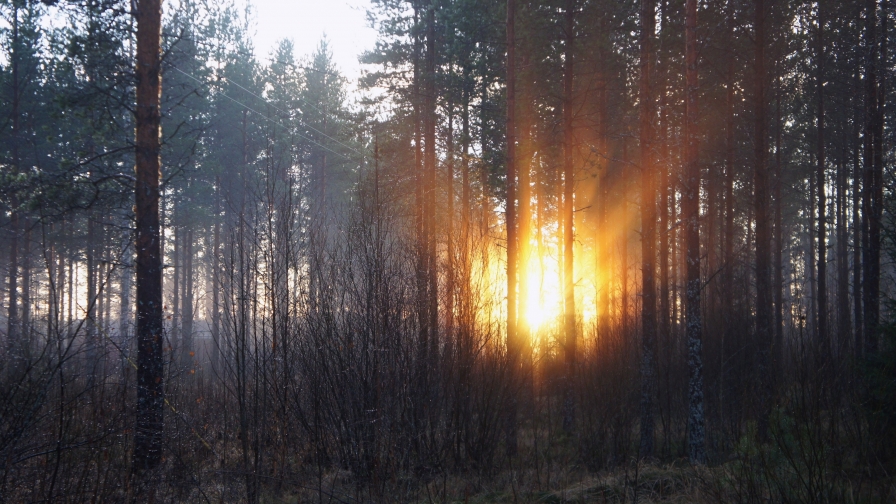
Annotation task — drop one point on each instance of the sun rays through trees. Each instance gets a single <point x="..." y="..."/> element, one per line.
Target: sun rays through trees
<point x="565" y="250"/>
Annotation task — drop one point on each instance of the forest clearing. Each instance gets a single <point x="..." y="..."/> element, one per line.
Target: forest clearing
<point x="530" y="251"/>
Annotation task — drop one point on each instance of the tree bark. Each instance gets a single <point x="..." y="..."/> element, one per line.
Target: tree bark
<point x="872" y="184"/>
<point x="174" y="332"/>
<point x="124" y="283"/>
<point x="844" y="322"/>
<point x="821" y="309"/>
<point x="430" y="188"/>
<point x="513" y="344"/>
<point x="858" y="235"/>
<point x="603" y="234"/>
<point x="691" y="211"/>
<point x="187" y="311"/>
<point x="648" y="230"/>
<point x="569" y="325"/>
<point x="13" y="330"/>
<point x="150" y="379"/>
<point x="777" y="346"/>
<point x="764" y="336"/>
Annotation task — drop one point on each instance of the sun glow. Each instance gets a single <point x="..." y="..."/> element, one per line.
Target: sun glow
<point x="543" y="303"/>
<point x="541" y="289"/>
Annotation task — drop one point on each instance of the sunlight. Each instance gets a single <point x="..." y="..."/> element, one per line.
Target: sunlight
<point x="543" y="302"/>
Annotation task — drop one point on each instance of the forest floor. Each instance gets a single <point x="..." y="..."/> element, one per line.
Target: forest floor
<point x="637" y="483"/>
<point x="644" y="483"/>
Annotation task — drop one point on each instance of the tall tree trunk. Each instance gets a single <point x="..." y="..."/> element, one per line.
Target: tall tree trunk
<point x="510" y="221"/>
<point x="430" y="188"/>
<point x="72" y="283"/>
<point x="821" y="309"/>
<point x="466" y="189"/>
<point x="215" y="272"/>
<point x="52" y="283"/>
<point x="858" y="237"/>
<point x="569" y="325"/>
<point x="691" y="211"/>
<point x="603" y="233"/>
<point x="92" y="298"/>
<point x="124" y="282"/>
<point x="26" y="286"/>
<point x="664" y="335"/>
<point x="13" y="330"/>
<point x="150" y="378"/>
<point x="777" y="346"/>
<point x="176" y="252"/>
<point x="872" y="184"/>
<point x="844" y="322"/>
<point x="648" y="230"/>
<point x="524" y="218"/>
<point x="812" y="265"/>
<point x="764" y="335"/>
<point x="510" y="198"/>
<point x="187" y="311"/>
<point x="450" y="240"/>
<point x="419" y="204"/>
<point x="61" y="284"/>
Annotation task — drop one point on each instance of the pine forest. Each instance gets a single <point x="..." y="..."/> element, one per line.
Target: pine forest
<point x="537" y="251"/>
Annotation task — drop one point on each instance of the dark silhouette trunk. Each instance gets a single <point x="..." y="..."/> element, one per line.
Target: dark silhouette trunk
<point x="215" y="268"/>
<point x="148" y="435"/>
<point x="603" y="233"/>
<point x="174" y="331"/>
<point x="844" y="322"/>
<point x="648" y="230"/>
<point x="872" y="181"/>
<point x="124" y="279"/>
<point x="858" y="239"/>
<point x="569" y="300"/>
<point x="777" y="346"/>
<point x="432" y="287"/>
<point x="764" y="335"/>
<point x="13" y="330"/>
<point x="691" y="222"/>
<point x="821" y="309"/>
<point x="92" y="297"/>
<point x="510" y="222"/>
<point x="187" y="310"/>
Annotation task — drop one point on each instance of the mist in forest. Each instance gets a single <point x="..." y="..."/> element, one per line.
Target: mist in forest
<point x="561" y="250"/>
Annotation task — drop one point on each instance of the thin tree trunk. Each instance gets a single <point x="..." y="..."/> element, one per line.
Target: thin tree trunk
<point x="430" y="188"/>
<point x="13" y="331"/>
<point x="764" y="335"/>
<point x="215" y="267"/>
<point x="510" y="221"/>
<point x="26" y="286"/>
<point x="873" y="184"/>
<point x="844" y="322"/>
<point x="124" y="309"/>
<point x="858" y="235"/>
<point x="821" y="309"/>
<point x="569" y="325"/>
<point x="648" y="230"/>
<point x="810" y="255"/>
<point x="777" y="347"/>
<point x="691" y="211"/>
<point x="92" y="344"/>
<point x="176" y="252"/>
<point x="187" y="311"/>
<point x="450" y="241"/>
<point x="603" y="233"/>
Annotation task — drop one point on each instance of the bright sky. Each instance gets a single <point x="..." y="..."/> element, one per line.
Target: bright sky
<point x="306" y="21"/>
